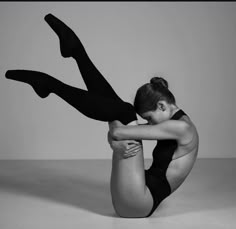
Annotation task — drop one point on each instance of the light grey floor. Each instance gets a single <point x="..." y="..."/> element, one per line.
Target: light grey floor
<point x="75" y="194"/>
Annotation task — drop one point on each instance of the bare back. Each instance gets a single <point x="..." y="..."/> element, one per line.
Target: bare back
<point x="183" y="158"/>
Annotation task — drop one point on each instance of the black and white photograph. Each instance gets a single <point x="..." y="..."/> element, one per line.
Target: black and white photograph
<point x="117" y="115"/>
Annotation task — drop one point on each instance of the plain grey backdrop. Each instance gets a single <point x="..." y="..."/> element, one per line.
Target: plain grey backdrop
<point x="192" y="45"/>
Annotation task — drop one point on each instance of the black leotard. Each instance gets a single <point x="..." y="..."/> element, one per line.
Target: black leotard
<point x="155" y="176"/>
<point x="164" y="150"/>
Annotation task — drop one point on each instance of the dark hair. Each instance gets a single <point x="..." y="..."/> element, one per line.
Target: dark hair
<point x="148" y="95"/>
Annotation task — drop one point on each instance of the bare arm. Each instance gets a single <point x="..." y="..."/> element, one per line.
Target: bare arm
<point x="124" y="148"/>
<point x="170" y="129"/>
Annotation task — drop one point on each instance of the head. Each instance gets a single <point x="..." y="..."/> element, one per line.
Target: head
<point x="154" y="101"/>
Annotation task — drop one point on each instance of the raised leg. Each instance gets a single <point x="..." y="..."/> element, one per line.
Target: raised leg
<point x="91" y="105"/>
<point x="130" y="196"/>
<point x="71" y="46"/>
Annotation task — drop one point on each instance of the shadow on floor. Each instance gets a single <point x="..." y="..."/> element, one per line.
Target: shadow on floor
<point x="85" y="184"/>
<point x="75" y="183"/>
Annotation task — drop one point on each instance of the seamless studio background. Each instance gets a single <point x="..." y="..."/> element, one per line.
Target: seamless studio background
<point x="192" y="45"/>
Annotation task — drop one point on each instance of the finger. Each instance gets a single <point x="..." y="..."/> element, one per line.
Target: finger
<point x="133" y="153"/>
<point x="133" y="149"/>
<point x="130" y="155"/>
<point x="131" y="146"/>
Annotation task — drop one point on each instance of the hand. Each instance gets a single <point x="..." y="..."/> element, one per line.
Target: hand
<point x="125" y="148"/>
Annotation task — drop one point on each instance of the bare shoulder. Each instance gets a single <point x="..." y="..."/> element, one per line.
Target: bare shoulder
<point x="191" y="133"/>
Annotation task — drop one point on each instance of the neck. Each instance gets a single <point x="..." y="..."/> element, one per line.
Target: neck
<point x="173" y="109"/>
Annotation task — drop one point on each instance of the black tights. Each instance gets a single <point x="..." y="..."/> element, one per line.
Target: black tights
<point x="100" y="102"/>
<point x="96" y="104"/>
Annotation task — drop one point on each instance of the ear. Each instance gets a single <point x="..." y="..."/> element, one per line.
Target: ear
<point x="162" y="105"/>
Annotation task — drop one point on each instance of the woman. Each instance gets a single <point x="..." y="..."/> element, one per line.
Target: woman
<point x="136" y="192"/>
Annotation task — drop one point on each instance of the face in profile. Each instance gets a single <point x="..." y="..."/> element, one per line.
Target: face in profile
<point x="159" y="115"/>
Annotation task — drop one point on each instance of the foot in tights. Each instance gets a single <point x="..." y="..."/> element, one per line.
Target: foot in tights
<point x="69" y="42"/>
<point x="39" y="81"/>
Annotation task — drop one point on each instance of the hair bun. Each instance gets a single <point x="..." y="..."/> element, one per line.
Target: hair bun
<point x="159" y="82"/>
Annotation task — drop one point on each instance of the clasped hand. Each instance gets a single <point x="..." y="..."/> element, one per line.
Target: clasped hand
<point x="124" y="148"/>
